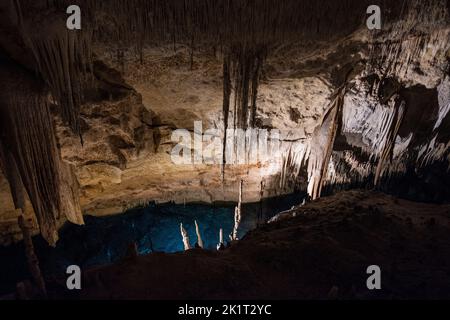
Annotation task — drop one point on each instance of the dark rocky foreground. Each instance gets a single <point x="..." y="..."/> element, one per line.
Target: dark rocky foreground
<point x="318" y="251"/>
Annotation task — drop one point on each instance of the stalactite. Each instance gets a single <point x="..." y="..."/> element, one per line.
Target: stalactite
<point x="292" y="162"/>
<point x="346" y="168"/>
<point x="254" y="89"/>
<point x="433" y="151"/>
<point x="9" y="168"/>
<point x="29" y="144"/>
<point x="370" y="118"/>
<point x="121" y="60"/>
<point x="225" y="21"/>
<point x="226" y="107"/>
<point x="371" y="123"/>
<point x="443" y="101"/>
<point x="243" y="29"/>
<point x="246" y="67"/>
<point x="191" y="54"/>
<point x="320" y="158"/>
<point x="393" y="53"/>
<point x="337" y="113"/>
<point x="63" y="58"/>
<point x="243" y="64"/>
<point x="388" y="148"/>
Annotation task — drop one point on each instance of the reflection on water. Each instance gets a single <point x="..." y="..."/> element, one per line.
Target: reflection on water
<point x="103" y="240"/>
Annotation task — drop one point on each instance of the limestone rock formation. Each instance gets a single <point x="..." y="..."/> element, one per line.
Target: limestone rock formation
<point x="353" y="106"/>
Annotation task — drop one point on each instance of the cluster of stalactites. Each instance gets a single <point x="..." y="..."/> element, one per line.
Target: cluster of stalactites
<point x="62" y="62"/>
<point x="223" y="21"/>
<point x="411" y="35"/>
<point x="387" y="153"/>
<point x="346" y="168"/>
<point x="242" y="69"/>
<point x="242" y="66"/>
<point x="63" y="57"/>
<point x="29" y="155"/>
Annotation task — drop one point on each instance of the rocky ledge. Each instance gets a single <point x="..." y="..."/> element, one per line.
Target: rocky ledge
<point x="320" y="250"/>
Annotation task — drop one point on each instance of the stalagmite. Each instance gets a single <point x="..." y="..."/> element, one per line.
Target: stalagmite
<point x="261" y="195"/>
<point x="185" y="237"/>
<point x="33" y="262"/>
<point x="199" y="237"/>
<point x="220" y="245"/>
<point x="237" y="214"/>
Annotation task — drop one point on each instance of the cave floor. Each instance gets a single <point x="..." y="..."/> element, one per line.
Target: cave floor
<point x="317" y="251"/>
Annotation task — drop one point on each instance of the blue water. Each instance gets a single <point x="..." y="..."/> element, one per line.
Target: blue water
<point x="104" y="240"/>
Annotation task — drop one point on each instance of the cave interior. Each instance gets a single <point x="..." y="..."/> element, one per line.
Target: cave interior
<point x="224" y="149"/>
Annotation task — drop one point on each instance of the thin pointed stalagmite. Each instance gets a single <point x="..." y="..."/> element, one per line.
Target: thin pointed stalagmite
<point x="220" y="245"/>
<point x="261" y="195"/>
<point x="185" y="237"/>
<point x="237" y="214"/>
<point x="199" y="237"/>
<point x="33" y="262"/>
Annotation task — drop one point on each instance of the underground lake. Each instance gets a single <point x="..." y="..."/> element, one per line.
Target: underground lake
<point x="153" y="228"/>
